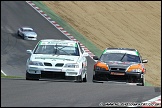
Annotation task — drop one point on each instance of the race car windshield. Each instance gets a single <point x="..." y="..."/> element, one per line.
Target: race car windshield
<point x="57" y="49"/>
<point x="123" y="57"/>
<point x="27" y="30"/>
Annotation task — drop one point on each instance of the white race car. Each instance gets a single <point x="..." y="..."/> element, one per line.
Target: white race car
<point x="57" y="59"/>
<point x="27" y="33"/>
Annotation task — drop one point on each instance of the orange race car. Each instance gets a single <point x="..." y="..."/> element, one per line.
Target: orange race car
<point x="120" y="64"/>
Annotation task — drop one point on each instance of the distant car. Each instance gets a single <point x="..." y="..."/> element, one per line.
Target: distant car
<point x="57" y="59"/>
<point x="27" y="33"/>
<point x="120" y="64"/>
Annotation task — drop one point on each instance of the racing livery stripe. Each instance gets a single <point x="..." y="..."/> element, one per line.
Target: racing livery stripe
<point x="54" y="23"/>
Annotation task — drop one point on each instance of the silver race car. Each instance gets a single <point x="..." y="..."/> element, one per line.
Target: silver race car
<point x="27" y="33"/>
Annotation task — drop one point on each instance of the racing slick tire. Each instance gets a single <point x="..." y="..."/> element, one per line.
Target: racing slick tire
<point x="18" y="33"/>
<point x="30" y="78"/>
<point x="85" y="78"/>
<point x="94" y="79"/>
<point x="143" y="81"/>
<point x="79" y="79"/>
<point x="23" y="36"/>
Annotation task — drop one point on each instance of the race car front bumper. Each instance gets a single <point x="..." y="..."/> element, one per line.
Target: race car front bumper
<point x="54" y="76"/>
<point x="39" y="72"/>
<point x="30" y="38"/>
<point x="127" y="76"/>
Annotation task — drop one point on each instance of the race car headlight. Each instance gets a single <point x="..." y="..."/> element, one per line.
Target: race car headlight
<point x="37" y="63"/>
<point x="71" y="65"/>
<point x="99" y="68"/>
<point x="136" y="70"/>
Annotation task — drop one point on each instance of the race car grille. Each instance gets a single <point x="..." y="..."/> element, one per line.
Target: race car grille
<point x="111" y="77"/>
<point x="118" y="69"/>
<point x="47" y="64"/>
<point x="30" y="37"/>
<point x="52" y="74"/>
<point x="59" y="64"/>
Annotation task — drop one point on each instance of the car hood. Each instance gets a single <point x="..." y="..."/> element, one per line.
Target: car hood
<point x="54" y="58"/>
<point x="30" y="33"/>
<point x="119" y="64"/>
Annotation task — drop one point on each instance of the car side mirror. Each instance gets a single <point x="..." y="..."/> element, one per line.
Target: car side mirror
<point x="85" y="54"/>
<point x="144" y="61"/>
<point x="95" y="58"/>
<point x="29" y="51"/>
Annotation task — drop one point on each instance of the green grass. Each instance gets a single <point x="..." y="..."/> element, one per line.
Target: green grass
<point x="148" y="84"/>
<point x="3" y="76"/>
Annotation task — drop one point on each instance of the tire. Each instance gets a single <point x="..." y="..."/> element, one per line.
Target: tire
<point x="27" y="78"/>
<point x="143" y="84"/>
<point x="30" y="77"/>
<point x="85" y="79"/>
<point x="79" y="79"/>
<point x="18" y="33"/>
<point x="143" y="81"/>
<point x="23" y="36"/>
<point x="94" y="79"/>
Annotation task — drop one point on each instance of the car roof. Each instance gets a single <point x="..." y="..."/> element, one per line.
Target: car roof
<point x="57" y="41"/>
<point x="27" y="28"/>
<point x="130" y="49"/>
<point x="122" y="50"/>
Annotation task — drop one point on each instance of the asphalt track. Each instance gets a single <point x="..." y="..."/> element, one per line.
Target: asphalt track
<point x="50" y="93"/>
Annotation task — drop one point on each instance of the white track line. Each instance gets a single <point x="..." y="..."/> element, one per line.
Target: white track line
<point x="3" y="73"/>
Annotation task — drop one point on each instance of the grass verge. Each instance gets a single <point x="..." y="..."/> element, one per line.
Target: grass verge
<point x="3" y="76"/>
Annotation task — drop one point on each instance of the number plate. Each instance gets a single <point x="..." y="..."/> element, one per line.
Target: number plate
<point x="117" y="73"/>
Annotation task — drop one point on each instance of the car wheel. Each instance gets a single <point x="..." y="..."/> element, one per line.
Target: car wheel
<point x="85" y="78"/>
<point x="94" y="79"/>
<point x="31" y="79"/>
<point x="80" y="78"/>
<point x="143" y="81"/>
<point x="23" y="36"/>
<point x="18" y="33"/>
<point x="28" y="78"/>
